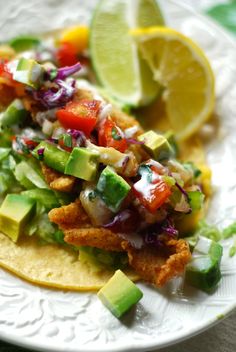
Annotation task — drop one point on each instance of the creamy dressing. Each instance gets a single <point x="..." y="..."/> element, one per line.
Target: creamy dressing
<point x="144" y="187"/>
<point x="131" y="131"/>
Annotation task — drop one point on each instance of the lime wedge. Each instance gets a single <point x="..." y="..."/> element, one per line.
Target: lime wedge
<point x="115" y="57"/>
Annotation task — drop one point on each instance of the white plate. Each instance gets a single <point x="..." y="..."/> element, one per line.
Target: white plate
<point x="65" y="321"/>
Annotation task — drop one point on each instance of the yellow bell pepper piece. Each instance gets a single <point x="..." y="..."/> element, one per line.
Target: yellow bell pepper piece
<point x="205" y="179"/>
<point x="6" y="52"/>
<point x="77" y="36"/>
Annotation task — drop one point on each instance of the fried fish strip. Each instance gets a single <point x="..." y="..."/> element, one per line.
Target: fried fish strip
<point x="69" y="216"/>
<point x="94" y="237"/>
<point x="58" y="181"/>
<point x="158" y="266"/>
<point x="154" y="265"/>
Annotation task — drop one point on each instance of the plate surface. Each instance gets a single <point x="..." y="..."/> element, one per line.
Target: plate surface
<point x="51" y="320"/>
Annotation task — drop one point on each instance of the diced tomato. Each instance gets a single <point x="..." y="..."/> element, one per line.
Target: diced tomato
<point x="110" y="135"/>
<point x="4" y="71"/>
<point x="151" y="193"/>
<point x="80" y="115"/>
<point x="7" y="80"/>
<point x="30" y="142"/>
<point x="66" y="55"/>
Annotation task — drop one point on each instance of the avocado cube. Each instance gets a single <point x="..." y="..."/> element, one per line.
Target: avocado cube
<point x="156" y="145"/>
<point x="112" y="188"/>
<point x="119" y="294"/>
<point x="29" y="72"/>
<point x="170" y="136"/>
<point x="82" y="163"/>
<point x="14" y="114"/>
<point x="203" y="272"/>
<point x="16" y="210"/>
<point x="51" y="155"/>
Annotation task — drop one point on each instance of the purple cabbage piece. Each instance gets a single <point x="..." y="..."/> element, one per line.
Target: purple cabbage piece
<point x="169" y="229"/>
<point x="40" y="151"/>
<point x="152" y="240"/>
<point x="134" y="141"/>
<point x="67" y="71"/>
<point x="125" y="222"/>
<point x="79" y="136"/>
<point x="181" y="189"/>
<point x="54" y="97"/>
<point x="151" y="233"/>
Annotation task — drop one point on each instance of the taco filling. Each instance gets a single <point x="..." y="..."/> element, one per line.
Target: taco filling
<point x="84" y="189"/>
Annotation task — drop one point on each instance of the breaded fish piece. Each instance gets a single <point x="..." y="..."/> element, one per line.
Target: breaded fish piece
<point x="94" y="237"/>
<point x="58" y="181"/>
<point x="158" y="266"/>
<point x="155" y="265"/>
<point x="69" y="216"/>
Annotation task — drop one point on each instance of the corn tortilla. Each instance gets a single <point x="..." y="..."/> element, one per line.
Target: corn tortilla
<point x="51" y="265"/>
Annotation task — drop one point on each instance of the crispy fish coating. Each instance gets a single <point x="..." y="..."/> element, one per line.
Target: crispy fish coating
<point x="158" y="266"/>
<point x="63" y="184"/>
<point x="58" y="181"/>
<point x="122" y="119"/>
<point x="154" y="265"/>
<point x="94" y="237"/>
<point x="69" y="216"/>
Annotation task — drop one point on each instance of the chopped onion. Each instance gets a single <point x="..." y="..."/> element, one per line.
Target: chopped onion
<point x="58" y="132"/>
<point x="47" y="127"/>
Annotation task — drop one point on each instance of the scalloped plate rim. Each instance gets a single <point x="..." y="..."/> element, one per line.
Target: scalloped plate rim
<point x="177" y="337"/>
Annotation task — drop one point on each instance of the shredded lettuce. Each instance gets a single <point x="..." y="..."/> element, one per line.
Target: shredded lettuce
<point x="209" y="231"/>
<point x="189" y="165"/>
<point x="4" y="152"/>
<point x="45" y="197"/>
<point x="232" y="250"/>
<point x="213" y="233"/>
<point x="8" y="183"/>
<point x="5" y="138"/>
<point x="100" y="259"/>
<point x="41" y="227"/>
<point x="229" y="231"/>
<point x="28" y="176"/>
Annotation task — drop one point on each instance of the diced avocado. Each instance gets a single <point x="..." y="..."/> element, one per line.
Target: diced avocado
<point x="14" y="114"/>
<point x="203" y="271"/>
<point x="82" y="163"/>
<point x="156" y="145"/>
<point x="29" y="72"/>
<point x="51" y="155"/>
<point x="119" y="294"/>
<point x="16" y="210"/>
<point x="170" y="136"/>
<point x="24" y="43"/>
<point x="112" y="188"/>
